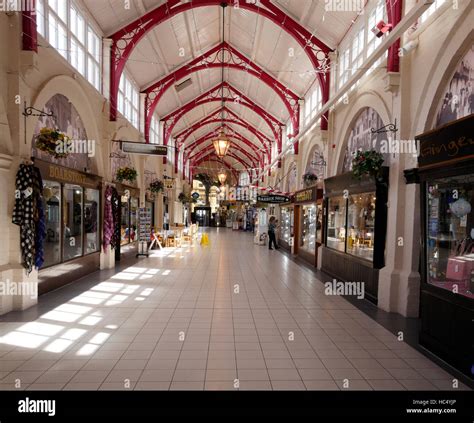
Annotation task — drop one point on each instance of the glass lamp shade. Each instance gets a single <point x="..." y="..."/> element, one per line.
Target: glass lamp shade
<point x="221" y="144"/>
<point x="222" y="177"/>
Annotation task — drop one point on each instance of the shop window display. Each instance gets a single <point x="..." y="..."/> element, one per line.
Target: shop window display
<point x="336" y="233"/>
<point x="125" y="222"/>
<point x="91" y="219"/>
<point x="78" y="210"/>
<point x="129" y="220"/>
<point x="450" y="234"/>
<point x="286" y="224"/>
<point x="360" y="225"/>
<point x="311" y="228"/>
<point x="72" y="221"/>
<point x="52" y="211"/>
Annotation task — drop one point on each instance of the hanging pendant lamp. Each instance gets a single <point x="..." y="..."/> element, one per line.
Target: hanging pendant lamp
<point x="222" y="142"/>
<point x="222" y="176"/>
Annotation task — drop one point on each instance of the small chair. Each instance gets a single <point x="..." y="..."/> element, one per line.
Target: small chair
<point x="187" y="238"/>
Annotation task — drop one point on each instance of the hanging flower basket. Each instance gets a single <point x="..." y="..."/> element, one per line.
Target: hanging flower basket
<point x="309" y="178"/>
<point x="156" y="186"/>
<point x="182" y="197"/>
<point x="53" y="142"/>
<point x="126" y="174"/>
<point x="186" y="199"/>
<point x="367" y="163"/>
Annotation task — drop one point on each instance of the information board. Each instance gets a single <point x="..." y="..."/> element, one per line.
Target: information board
<point x="144" y="224"/>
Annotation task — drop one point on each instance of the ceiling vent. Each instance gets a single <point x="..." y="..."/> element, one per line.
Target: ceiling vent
<point x="182" y="85"/>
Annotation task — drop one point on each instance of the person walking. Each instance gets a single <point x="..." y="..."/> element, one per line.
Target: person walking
<point x="272" y="223"/>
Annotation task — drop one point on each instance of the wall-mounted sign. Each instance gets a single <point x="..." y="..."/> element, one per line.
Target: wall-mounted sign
<point x="143" y="148"/>
<point x="273" y="199"/>
<point x="168" y="183"/>
<point x="195" y="195"/>
<point x="64" y="174"/>
<point x="450" y="143"/>
<point x="305" y="195"/>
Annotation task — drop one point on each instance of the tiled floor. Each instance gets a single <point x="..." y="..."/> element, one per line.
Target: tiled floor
<point x="232" y="315"/>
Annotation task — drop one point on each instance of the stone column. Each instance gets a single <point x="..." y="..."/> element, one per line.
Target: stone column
<point x="141" y="125"/>
<point x="19" y="290"/>
<point x="106" y="51"/>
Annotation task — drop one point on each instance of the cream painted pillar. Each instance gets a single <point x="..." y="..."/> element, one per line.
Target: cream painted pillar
<point x="159" y="210"/>
<point x="19" y="291"/>
<point x="410" y="279"/>
<point x="106" y="51"/>
<point x="141" y="124"/>
<point x="399" y="280"/>
<point x="160" y="135"/>
<point x="107" y="258"/>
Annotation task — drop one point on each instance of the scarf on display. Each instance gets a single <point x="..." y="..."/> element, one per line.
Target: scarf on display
<point x="109" y="228"/>
<point x="23" y="214"/>
<point x="111" y="218"/>
<point x="39" y="217"/>
<point x="115" y="242"/>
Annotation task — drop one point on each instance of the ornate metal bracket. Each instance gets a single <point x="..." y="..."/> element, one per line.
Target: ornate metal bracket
<point x="115" y="155"/>
<point x="32" y="111"/>
<point x="391" y="127"/>
<point x="319" y="162"/>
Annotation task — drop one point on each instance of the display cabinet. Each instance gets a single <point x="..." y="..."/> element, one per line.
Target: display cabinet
<point x="287" y="222"/>
<point x="72" y="209"/>
<point x="355" y="222"/>
<point x="308" y="209"/>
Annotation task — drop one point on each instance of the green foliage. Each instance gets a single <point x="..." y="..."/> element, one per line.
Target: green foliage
<point x="206" y="180"/>
<point x="48" y="140"/>
<point x="186" y="198"/>
<point x="156" y="186"/>
<point x="367" y="163"/>
<point x="126" y="174"/>
<point x="310" y="177"/>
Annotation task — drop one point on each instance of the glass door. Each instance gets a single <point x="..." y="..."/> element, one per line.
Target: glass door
<point x="308" y="228"/>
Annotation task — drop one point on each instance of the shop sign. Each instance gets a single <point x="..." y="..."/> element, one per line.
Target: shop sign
<point x="168" y="183"/>
<point x="64" y="174"/>
<point x="305" y="195"/>
<point x="450" y="143"/>
<point x="273" y="199"/>
<point x="143" y="148"/>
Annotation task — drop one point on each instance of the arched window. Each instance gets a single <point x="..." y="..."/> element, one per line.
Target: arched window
<point x="457" y="100"/>
<point x="244" y="179"/>
<point x="362" y="138"/>
<point x="316" y="163"/>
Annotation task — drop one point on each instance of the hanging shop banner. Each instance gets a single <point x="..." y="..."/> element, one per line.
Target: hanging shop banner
<point x="144" y="228"/>
<point x="449" y="144"/>
<point x="143" y="148"/>
<point x="273" y="199"/>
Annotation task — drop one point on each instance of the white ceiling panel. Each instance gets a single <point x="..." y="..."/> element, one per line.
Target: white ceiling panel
<point x="179" y="40"/>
